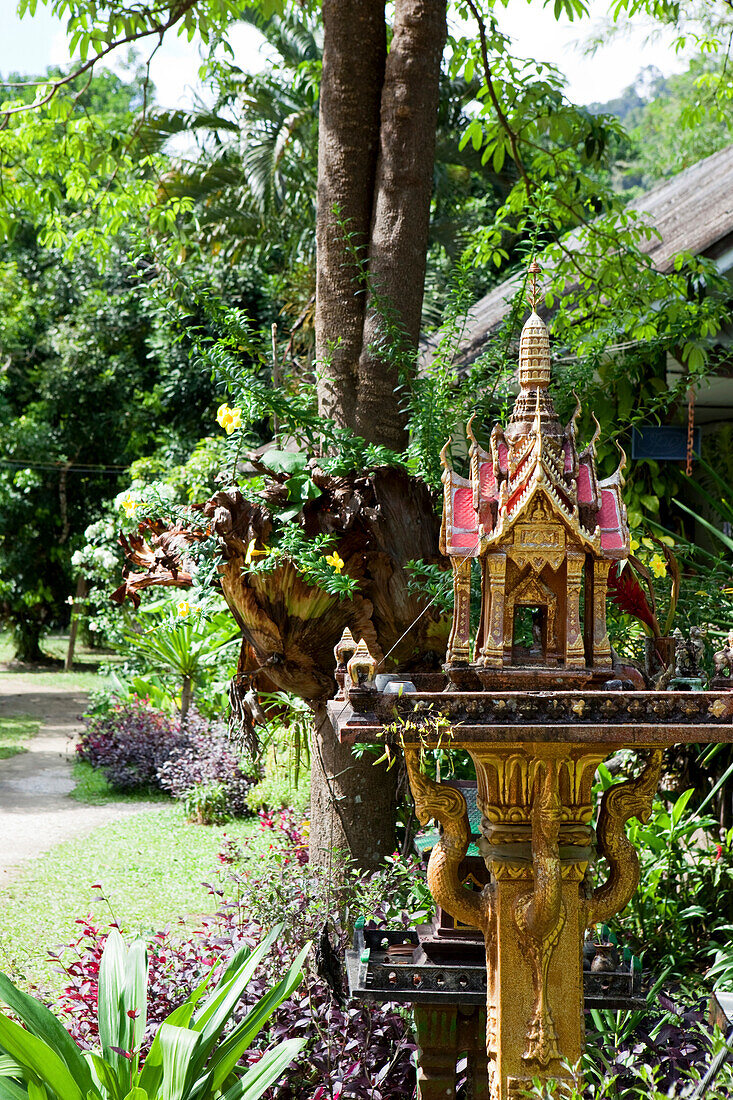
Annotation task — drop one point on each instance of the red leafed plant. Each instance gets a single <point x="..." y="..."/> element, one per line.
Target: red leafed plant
<point x="629" y="596"/>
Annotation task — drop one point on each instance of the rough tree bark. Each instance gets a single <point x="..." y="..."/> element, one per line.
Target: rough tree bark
<point x="375" y="172"/>
<point x="401" y="218"/>
<point x="348" y="143"/>
<point x="376" y="153"/>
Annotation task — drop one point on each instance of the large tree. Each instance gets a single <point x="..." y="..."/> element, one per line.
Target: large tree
<point x="377" y="117"/>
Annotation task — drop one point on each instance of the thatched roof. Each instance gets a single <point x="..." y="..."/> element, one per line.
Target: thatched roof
<point x="691" y="212"/>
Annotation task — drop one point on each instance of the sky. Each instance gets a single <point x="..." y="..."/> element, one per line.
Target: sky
<point x="30" y="44"/>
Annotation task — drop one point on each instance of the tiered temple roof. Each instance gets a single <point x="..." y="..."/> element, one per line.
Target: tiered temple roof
<point x="534" y="456"/>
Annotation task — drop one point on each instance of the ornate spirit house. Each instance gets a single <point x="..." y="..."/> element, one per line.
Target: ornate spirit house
<point x="536" y="706"/>
<point x="545" y="531"/>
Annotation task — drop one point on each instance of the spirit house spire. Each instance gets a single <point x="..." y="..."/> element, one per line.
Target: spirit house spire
<point x="545" y="531"/>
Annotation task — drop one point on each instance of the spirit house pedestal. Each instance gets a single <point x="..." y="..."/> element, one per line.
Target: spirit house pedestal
<point x="530" y="701"/>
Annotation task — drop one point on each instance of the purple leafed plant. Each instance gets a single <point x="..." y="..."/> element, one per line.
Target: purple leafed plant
<point x="137" y="747"/>
<point x="129" y="743"/>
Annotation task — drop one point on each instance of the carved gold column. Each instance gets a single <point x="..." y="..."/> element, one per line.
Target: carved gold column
<point x="537" y="844"/>
<point x="601" y="644"/>
<point x="459" y="641"/>
<point x="620" y="803"/>
<point x="492" y="653"/>
<point x="574" y="648"/>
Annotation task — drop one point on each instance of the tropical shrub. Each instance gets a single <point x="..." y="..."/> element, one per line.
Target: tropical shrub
<point x="194" y="1052"/>
<point x="129" y="743"/>
<point x="205" y="773"/>
<point x="139" y="748"/>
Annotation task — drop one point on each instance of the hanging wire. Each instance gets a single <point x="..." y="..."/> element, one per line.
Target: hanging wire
<point x="690" y="430"/>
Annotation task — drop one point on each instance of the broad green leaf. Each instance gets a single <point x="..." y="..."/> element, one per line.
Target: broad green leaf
<point x="10" y="1091"/>
<point x="227" y="993"/>
<point x="41" y="1022"/>
<point x="680" y="805"/>
<point x="37" y="1056"/>
<point x="270" y="1067"/>
<point x="135" y="996"/>
<point x="37" y="1091"/>
<point x="178" y="1046"/>
<point x="286" y="462"/>
<point x="108" y="1077"/>
<point x="136" y="1093"/>
<point x="112" y="1020"/>
<point x="225" y="1058"/>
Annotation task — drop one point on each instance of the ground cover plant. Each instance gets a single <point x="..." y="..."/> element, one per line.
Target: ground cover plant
<point x="193" y="1052"/>
<point x="139" y="748"/>
<point x="15" y="733"/>
<point x="351" y="1048"/>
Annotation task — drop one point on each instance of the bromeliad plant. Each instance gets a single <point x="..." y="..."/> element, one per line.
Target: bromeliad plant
<point x="192" y="1057"/>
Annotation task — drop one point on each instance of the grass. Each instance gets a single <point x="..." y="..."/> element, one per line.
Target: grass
<point x="15" y="733"/>
<point x="93" y="789"/>
<point x="151" y="867"/>
<point x="84" y="677"/>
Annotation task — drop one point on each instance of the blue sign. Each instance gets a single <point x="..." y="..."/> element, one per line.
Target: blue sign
<point x="663" y="442"/>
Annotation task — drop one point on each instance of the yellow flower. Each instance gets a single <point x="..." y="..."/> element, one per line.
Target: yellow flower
<point x="130" y="505"/>
<point x="634" y="545"/>
<point x="658" y="566"/>
<point x="335" y="561"/>
<point x="183" y="608"/>
<point x="252" y="553"/>
<point x="229" y="418"/>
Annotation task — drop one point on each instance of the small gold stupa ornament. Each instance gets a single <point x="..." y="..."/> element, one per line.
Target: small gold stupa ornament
<point x="544" y="530"/>
<point x="345" y="648"/>
<point x="362" y="667"/>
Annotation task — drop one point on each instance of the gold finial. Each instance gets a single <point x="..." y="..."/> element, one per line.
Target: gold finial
<point x="533" y="294"/>
<point x="344" y="648"/>
<point x="362" y="667"/>
<point x="534" y="342"/>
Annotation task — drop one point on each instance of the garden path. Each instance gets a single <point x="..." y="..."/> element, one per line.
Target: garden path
<point x="36" y="810"/>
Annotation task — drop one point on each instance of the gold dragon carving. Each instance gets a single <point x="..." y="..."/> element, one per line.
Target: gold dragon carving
<point x="448" y="806"/>
<point x="620" y="803"/>
<point x="540" y="913"/>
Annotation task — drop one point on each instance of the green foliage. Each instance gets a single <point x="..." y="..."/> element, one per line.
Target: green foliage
<point x="194" y="1053"/>
<point x="283" y="754"/>
<point x="190" y="646"/>
<point x="685" y="893"/>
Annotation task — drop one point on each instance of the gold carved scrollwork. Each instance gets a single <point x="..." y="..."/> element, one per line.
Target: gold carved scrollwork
<point x="448" y="806"/>
<point x="540" y="913"/>
<point x="459" y="642"/>
<point x="620" y="803"/>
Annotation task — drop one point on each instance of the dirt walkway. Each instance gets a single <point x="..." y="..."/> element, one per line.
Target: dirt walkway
<point x="36" y="812"/>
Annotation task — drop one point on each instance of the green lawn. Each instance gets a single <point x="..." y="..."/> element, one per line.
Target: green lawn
<point x="85" y="676"/>
<point x="93" y="789"/>
<point x="151" y="868"/>
<point x="15" y="733"/>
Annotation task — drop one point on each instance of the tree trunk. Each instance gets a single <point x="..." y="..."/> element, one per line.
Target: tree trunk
<point x="353" y="803"/>
<point x="375" y="164"/>
<point x="27" y="641"/>
<point x="401" y="218"/>
<point x="348" y="143"/>
<point x="186" y="696"/>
